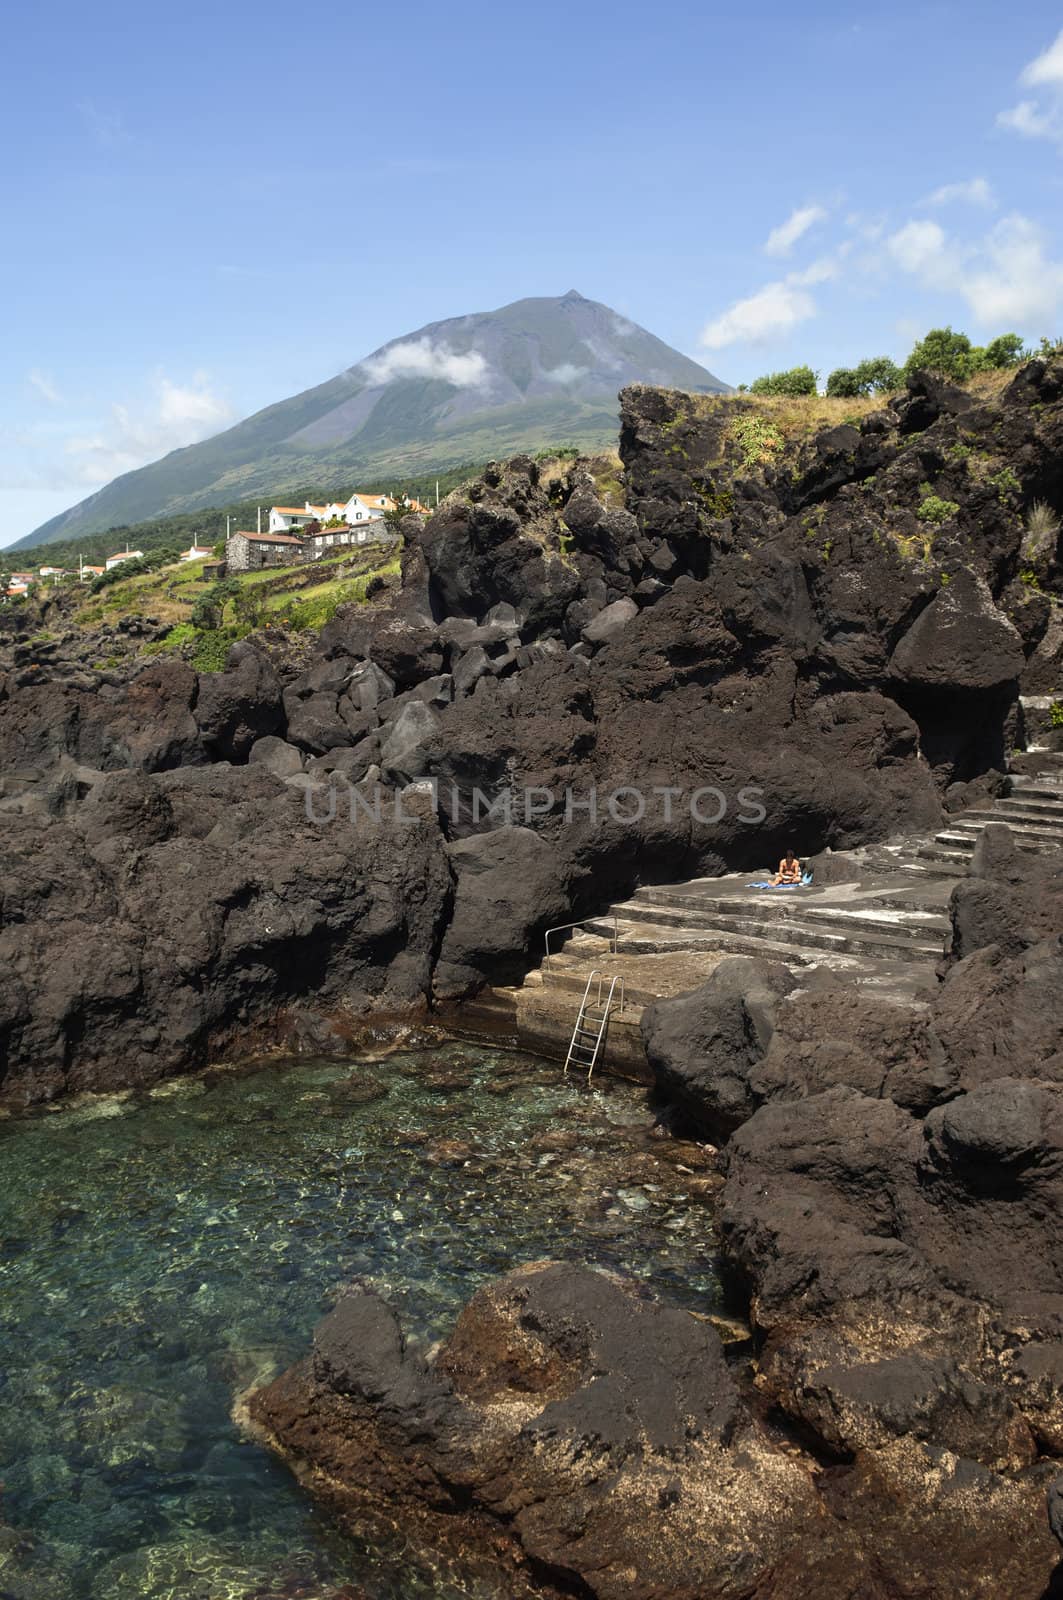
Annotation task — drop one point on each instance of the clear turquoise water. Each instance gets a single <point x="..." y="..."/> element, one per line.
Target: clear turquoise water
<point x="160" y="1255"/>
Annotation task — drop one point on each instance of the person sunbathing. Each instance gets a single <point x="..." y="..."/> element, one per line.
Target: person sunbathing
<point x="789" y="870"/>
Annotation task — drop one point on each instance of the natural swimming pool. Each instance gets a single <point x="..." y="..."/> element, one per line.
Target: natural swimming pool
<point x="160" y="1254"/>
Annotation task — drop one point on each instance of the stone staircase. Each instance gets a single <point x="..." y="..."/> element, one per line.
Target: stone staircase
<point x="888" y="929"/>
<point x="1032" y="809"/>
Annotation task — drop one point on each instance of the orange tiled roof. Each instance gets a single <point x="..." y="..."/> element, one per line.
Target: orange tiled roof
<point x="267" y="538"/>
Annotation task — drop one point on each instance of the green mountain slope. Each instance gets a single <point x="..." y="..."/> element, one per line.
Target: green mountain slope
<point x="537" y="372"/>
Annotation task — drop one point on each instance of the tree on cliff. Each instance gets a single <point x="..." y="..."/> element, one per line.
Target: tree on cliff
<point x="796" y="381"/>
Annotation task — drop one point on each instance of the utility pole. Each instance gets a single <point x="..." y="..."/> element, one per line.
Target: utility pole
<point x="437" y="491"/>
<point x="260" y="519"/>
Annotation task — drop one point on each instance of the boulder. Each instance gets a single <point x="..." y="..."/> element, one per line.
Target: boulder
<point x="609" y="622"/>
<point x="702" y="1046"/>
<point x="315" y="725"/>
<point x="402" y="753"/>
<point x="176" y="915"/>
<point x="509" y="889"/>
<point x="278" y="757"/>
<point x="961" y="640"/>
<point x="239" y="705"/>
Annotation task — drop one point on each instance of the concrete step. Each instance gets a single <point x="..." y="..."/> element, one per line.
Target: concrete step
<point x="1040" y="789"/>
<point x="947" y="855"/>
<point x="789" y="910"/>
<point x="935" y="864"/>
<point x="748" y="935"/>
<point x="1024" y="833"/>
<point x="1035" y="812"/>
<point x="961" y="841"/>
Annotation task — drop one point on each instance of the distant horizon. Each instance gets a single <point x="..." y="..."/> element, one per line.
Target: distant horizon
<point x="190" y="253"/>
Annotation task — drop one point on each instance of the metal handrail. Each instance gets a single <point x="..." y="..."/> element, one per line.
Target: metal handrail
<point x="607" y="1011"/>
<point x="563" y="927"/>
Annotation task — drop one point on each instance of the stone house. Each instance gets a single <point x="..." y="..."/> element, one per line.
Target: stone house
<point x="249" y="552"/>
<point x="318" y="542"/>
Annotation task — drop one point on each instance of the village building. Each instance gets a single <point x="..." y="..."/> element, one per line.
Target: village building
<point x="197" y="552"/>
<point x="88" y="573"/>
<point x="53" y="572"/>
<point x="248" y="552"/>
<point x="358" y="508"/>
<point x="123" y="555"/>
<point x="318" y="542"/>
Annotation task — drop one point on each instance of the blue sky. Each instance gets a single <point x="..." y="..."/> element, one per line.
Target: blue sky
<point x="210" y="207"/>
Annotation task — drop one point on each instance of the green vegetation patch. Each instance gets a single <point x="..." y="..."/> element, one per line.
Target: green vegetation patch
<point x="932" y="508"/>
<point x="758" y="440"/>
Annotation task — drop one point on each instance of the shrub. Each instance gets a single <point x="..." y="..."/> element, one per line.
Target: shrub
<point x="945" y="351"/>
<point x="759" y="441"/>
<point x="208" y="613"/>
<point x="1055" y="714"/>
<point x="843" y="384"/>
<point x="213" y="646"/>
<point x="1006" y="350"/>
<point x="877" y="375"/>
<point x="1005" y="483"/>
<point x="933" y="509"/>
<point x="797" y="381"/>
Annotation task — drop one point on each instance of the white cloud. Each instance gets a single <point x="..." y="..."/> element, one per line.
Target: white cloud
<point x="781" y="240"/>
<point x="922" y="248"/>
<point x="1041" y="118"/>
<point x="1047" y="68"/>
<point x="975" y="192"/>
<point x="567" y="372"/>
<point x="420" y="358"/>
<point x="823" y="270"/>
<point x="132" y="436"/>
<point x="1018" y="283"/>
<point x="772" y="311"/>
<point x="1006" y="278"/>
<point x="44" y="386"/>
<point x="1027" y="119"/>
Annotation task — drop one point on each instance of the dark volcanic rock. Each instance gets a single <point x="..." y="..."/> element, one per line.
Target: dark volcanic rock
<point x="702" y="1046"/>
<point x="185" y="911"/>
<point x="509" y="889"/>
<point x="853" y="1224"/>
<point x="605" y="1442"/>
<point x="239" y="705"/>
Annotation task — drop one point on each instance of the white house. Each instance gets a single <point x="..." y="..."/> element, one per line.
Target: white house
<point x="197" y="552"/>
<point x="358" y="508"/>
<point x="88" y="573"/>
<point x="53" y="572"/>
<point x="123" y="555"/>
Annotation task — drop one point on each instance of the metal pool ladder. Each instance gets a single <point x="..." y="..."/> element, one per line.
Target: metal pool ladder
<point x="592" y="1021"/>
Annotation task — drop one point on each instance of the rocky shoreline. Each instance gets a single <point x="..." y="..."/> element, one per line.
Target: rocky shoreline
<point x="800" y="627"/>
<point x="890" y="1213"/>
<point x="792" y="628"/>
